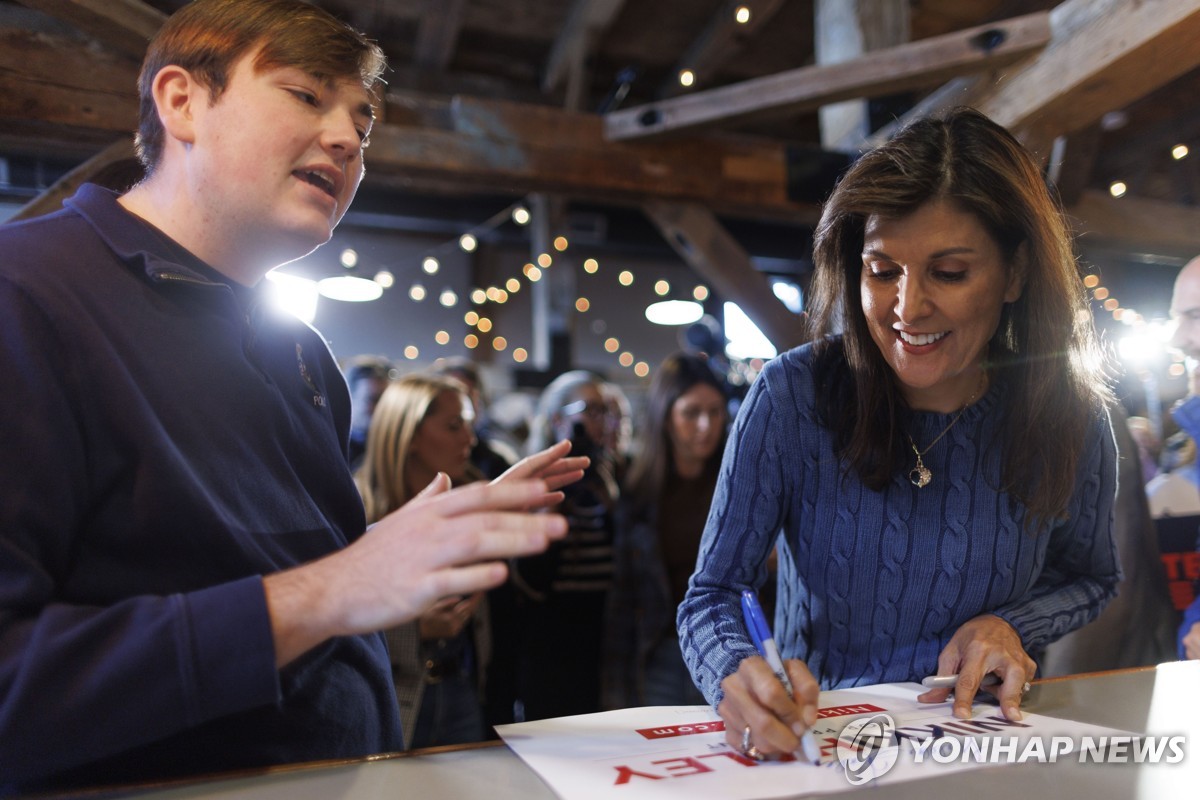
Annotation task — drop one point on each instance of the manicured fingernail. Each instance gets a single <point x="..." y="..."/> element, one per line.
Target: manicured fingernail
<point x="962" y="713"/>
<point x="1014" y="714"/>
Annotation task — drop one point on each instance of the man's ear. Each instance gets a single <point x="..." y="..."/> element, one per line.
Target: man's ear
<point x="1018" y="270"/>
<point x="177" y="95"/>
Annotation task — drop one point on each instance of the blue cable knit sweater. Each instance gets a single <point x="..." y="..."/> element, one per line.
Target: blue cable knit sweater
<point x="872" y="585"/>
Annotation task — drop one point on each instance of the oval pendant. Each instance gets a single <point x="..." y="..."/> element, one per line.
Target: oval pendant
<point x="920" y="476"/>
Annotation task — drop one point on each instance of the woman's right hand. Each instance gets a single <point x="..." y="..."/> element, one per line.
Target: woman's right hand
<point x="448" y="616"/>
<point x="755" y="698"/>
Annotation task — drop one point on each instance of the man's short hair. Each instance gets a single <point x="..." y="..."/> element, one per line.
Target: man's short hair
<point x="363" y="367"/>
<point x="207" y="37"/>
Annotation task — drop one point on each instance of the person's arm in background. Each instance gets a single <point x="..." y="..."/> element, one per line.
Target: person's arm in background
<point x="1186" y="414"/>
<point x="1189" y="631"/>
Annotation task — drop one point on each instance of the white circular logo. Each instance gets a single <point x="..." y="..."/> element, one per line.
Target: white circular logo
<point x="867" y="747"/>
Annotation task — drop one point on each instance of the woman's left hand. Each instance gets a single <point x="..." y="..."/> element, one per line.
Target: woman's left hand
<point x="552" y="465"/>
<point x="983" y="645"/>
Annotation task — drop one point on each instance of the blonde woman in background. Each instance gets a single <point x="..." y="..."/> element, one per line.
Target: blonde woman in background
<point x="422" y="427"/>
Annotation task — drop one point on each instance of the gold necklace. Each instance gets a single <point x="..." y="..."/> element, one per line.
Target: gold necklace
<point x="920" y="476"/>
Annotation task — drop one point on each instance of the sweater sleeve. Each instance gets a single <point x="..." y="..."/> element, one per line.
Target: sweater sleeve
<point x="83" y="680"/>
<point x="1081" y="569"/>
<point x="747" y="512"/>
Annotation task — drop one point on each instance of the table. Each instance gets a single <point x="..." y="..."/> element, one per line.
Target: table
<point x="1163" y="700"/>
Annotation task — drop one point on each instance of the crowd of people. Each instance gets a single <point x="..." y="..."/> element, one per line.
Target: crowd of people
<point x="217" y="551"/>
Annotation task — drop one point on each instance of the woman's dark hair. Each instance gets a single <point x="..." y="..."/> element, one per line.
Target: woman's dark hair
<point x="1044" y="348"/>
<point x="678" y="373"/>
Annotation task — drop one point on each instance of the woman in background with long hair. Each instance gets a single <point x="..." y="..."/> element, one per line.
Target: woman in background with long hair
<point x="660" y="518"/>
<point x="422" y="426"/>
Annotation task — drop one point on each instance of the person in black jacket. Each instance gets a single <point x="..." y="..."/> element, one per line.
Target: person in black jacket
<point x="185" y="581"/>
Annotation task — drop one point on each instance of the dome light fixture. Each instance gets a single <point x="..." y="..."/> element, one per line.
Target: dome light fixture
<point x="674" y="312"/>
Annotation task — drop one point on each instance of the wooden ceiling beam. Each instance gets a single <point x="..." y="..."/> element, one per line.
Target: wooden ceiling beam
<point x="876" y="74"/>
<point x="117" y="156"/>
<point x="1136" y="223"/>
<point x="848" y="29"/>
<point x="491" y="145"/>
<point x="586" y="21"/>
<point x="123" y="26"/>
<point x="437" y="34"/>
<point x="1104" y="55"/>
<point x="703" y="242"/>
<point x="52" y="80"/>
<point x="722" y="39"/>
<point x="478" y="145"/>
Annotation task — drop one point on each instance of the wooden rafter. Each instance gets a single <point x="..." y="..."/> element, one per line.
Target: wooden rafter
<point x="1104" y="54"/>
<point x="586" y="21"/>
<point x="514" y="147"/>
<point x="123" y="26"/>
<point x="1150" y="225"/>
<point x="437" y="34"/>
<point x="700" y="240"/>
<point x="883" y="72"/>
<point x="720" y="41"/>
<point x="116" y="154"/>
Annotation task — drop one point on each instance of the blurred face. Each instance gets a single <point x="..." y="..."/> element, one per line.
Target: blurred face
<point x="588" y="408"/>
<point x="933" y="286"/>
<point x="364" y="396"/>
<point x="443" y="440"/>
<point x="1185" y="310"/>
<point x="695" y="424"/>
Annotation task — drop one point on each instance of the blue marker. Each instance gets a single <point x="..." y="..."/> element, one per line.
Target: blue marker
<point x="760" y="632"/>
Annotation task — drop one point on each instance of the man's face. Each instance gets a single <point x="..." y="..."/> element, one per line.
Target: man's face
<point x="278" y="158"/>
<point x="1185" y="310"/>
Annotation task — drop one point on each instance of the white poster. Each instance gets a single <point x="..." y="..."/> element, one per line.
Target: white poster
<point x="874" y="734"/>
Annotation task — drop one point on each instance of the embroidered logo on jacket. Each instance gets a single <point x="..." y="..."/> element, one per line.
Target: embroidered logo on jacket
<point x="318" y="398"/>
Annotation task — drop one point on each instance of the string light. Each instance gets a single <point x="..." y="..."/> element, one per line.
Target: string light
<point x="468" y="242"/>
<point x="442" y="337"/>
<point x="533" y="273"/>
<point x="582" y="305"/>
<point x="349" y="258"/>
<point x="1117" y="188"/>
<point x="641" y="369"/>
<point x="478" y="297"/>
<point x="471" y="341"/>
<point x="499" y="343"/>
<point x="560" y="244"/>
<point x="520" y="355"/>
<point x="625" y="278"/>
<point x="484" y="324"/>
<point x="544" y="260"/>
<point x="520" y="215"/>
<point x="612" y="344"/>
<point x="448" y="298"/>
<point x="430" y="265"/>
<point x="1179" y="152"/>
<point x="661" y="288"/>
<point x="385" y="279"/>
<point x="591" y="266"/>
<point x="513" y="285"/>
<point x="700" y="293"/>
<point x="686" y="77"/>
<point x="742" y="15"/>
<point x="411" y="352"/>
<point x="417" y="292"/>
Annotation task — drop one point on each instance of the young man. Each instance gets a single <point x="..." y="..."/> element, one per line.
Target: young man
<point x="185" y="584"/>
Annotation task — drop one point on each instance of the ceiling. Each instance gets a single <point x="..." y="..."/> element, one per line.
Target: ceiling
<point x="581" y="99"/>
